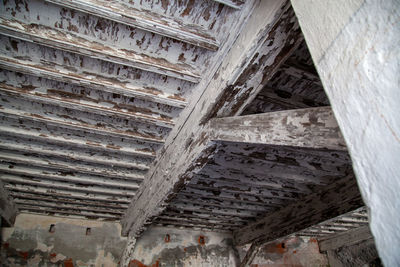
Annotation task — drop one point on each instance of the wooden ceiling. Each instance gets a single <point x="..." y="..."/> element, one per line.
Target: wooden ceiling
<point x="110" y="110"/>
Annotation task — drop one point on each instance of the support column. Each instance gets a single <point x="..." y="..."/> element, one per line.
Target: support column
<point x="355" y="46"/>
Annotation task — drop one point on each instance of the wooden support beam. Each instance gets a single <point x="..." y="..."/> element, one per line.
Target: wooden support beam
<point x="142" y="19"/>
<point x="68" y="41"/>
<point x="256" y="53"/>
<point x="260" y="65"/>
<point x="346" y="238"/>
<point x="334" y="200"/>
<point x="8" y="209"/>
<point x="250" y="255"/>
<point x="311" y="128"/>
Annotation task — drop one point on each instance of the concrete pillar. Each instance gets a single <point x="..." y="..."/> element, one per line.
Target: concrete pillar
<point x="355" y="45"/>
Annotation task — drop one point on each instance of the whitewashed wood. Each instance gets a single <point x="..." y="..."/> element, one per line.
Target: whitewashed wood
<point x="312" y="128"/>
<point x="70" y="42"/>
<point x="187" y="149"/>
<point x="336" y="199"/>
<point x="346" y="238"/>
<point x="165" y="26"/>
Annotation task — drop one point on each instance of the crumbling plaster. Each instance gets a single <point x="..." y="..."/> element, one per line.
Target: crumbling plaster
<point x="289" y="251"/>
<point x="167" y="246"/>
<point x="31" y="243"/>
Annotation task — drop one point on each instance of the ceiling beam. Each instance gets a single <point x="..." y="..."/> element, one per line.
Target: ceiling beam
<point x="70" y="103"/>
<point x="286" y="100"/>
<point x="188" y="147"/>
<point x="68" y="41"/>
<point x="236" y="4"/>
<point x="145" y="20"/>
<point x="334" y="200"/>
<point x="309" y="128"/>
<point x="93" y="80"/>
<point x="346" y="238"/>
<point x="8" y="209"/>
<point x="278" y="42"/>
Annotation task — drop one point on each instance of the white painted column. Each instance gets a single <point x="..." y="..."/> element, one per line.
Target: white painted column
<point x="355" y="45"/>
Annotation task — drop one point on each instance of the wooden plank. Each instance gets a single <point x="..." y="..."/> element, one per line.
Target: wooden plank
<point x="188" y="148"/>
<point x="346" y="238"/>
<point x="279" y="41"/>
<point x="75" y="143"/>
<point x="301" y="72"/>
<point x="69" y="206"/>
<point x="66" y="211"/>
<point x="250" y="255"/>
<point x="63" y="165"/>
<point x="312" y="128"/>
<point x="8" y="209"/>
<point x="49" y="175"/>
<point x="14" y="179"/>
<point x="18" y="189"/>
<point x="334" y="200"/>
<point x="68" y="41"/>
<point x="288" y="101"/>
<point x="119" y="12"/>
<point x="70" y="103"/>
<point x="48" y="150"/>
<point x="96" y="129"/>
<point x="236" y="4"/>
<point x="54" y="198"/>
<point x="93" y="80"/>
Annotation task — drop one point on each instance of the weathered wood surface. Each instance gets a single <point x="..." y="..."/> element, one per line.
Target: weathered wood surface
<point x="68" y="75"/>
<point x="334" y="200"/>
<point x="232" y="3"/>
<point x="183" y="153"/>
<point x="279" y="40"/>
<point x="337" y="225"/>
<point x="77" y="44"/>
<point x="346" y="238"/>
<point x="250" y="255"/>
<point x="295" y="84"/>
<point x="148" y="21"/>
<point x="313" y="128"/>
<point x="88" y="95"/>
<point x="8" y="209"/>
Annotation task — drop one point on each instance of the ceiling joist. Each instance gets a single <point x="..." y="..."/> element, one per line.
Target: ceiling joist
<point x="309" y="128"/>
<point x="334" y="200"/>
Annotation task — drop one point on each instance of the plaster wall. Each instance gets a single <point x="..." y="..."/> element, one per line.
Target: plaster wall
<point x="355" y="45"/>
<point x="165" y="246"/>
<point x="31" y="242"/>
<point x="293" y="251"/>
